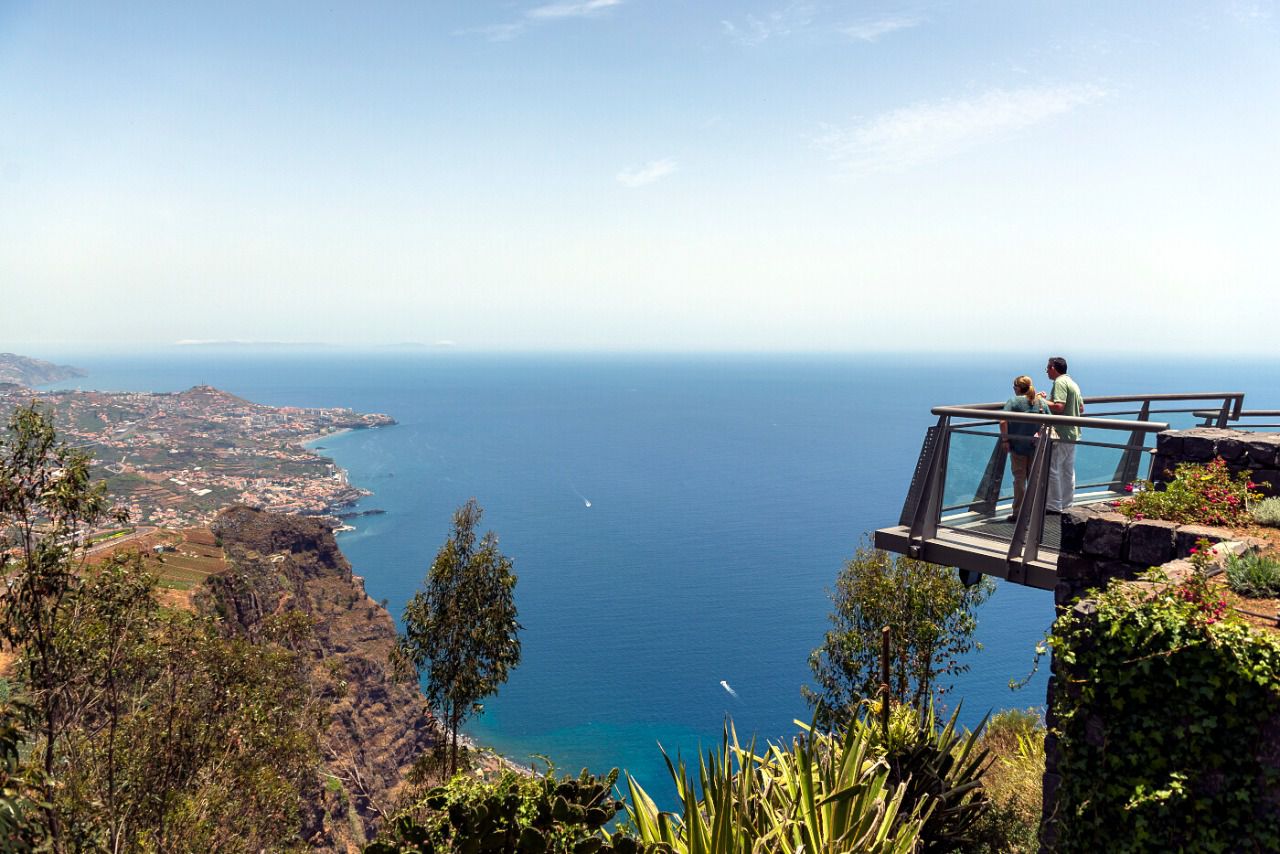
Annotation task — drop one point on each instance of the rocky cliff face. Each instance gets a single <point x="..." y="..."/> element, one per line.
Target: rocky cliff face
<point x="25" y="371"/>
<point x="378" y="726"/>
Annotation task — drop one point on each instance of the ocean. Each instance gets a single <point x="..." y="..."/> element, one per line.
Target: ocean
<point x="675" y="521"/>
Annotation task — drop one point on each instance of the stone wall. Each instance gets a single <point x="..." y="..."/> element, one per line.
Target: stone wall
<point x="1256" y="453"/>
<point x="1099" y="544"/>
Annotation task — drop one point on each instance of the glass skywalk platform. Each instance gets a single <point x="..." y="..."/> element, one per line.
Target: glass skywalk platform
<point x="961" y="493"/>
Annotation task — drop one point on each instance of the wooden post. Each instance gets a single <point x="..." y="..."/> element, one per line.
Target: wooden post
<point x="884" y="683"/>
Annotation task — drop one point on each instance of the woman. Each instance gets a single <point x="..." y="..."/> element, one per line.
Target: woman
<point x="1018" y="437"/>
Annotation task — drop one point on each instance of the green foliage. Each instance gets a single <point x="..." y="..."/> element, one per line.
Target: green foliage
<point x="1253" y="575"/>
<point x="1205" y="494"/>
<point x="1013" y="782"/>
<point x="152" y="730"/>
<point x="939" y="766"/>
<point x="22" y="810"/>
<point x="931" y="614"/>
<point x="461" y="629"/>
<point x="1267" y="512"/>
<point x="47" y="506"/>
<point x="194" y="740"/>
<point x="1166" y="721"/>
<point x="517" y="813"/>
<point x="818" y="793"/>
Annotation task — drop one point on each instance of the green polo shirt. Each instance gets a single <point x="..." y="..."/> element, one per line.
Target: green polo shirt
<point x="1065" y="391"/>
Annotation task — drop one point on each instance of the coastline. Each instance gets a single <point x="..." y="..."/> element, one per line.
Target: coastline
<point x="307" y="441"/>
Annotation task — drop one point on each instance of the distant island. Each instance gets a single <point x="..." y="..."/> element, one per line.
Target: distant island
<point x="175" y="459"/>
<point x="25" y="371"/>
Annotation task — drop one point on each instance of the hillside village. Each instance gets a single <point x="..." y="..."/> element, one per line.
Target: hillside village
<point x="174" y="459"/>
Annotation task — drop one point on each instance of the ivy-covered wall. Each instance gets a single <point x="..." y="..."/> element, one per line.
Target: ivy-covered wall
<point x="1166" y="718"/>
<point x="1163" y="713"/>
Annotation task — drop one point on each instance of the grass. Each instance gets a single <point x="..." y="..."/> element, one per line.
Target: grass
<point x="1253" y="575"/>
<point x="1013" y="781"/>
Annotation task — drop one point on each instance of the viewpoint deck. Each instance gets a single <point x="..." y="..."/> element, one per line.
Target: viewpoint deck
<point x="961" y="493"/>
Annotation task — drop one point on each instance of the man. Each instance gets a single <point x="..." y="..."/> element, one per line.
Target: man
<point x="1063" y="399"/>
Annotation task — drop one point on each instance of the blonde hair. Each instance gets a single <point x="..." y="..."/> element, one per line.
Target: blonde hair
<point x="1022" y="385"/>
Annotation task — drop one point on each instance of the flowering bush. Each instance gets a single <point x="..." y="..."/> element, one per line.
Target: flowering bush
<point x="1207" y="605"/>
<point x="1206" y="494"/>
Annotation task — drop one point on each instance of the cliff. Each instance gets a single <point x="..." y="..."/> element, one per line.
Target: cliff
<point x="377" y="726"/>
<point x="25" y="371"/>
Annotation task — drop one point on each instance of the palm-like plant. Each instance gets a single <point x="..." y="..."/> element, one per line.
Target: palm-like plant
<point x="819" y="793"/>
<point x="939" y="764"/>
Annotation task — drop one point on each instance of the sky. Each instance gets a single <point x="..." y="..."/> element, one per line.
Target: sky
<point x="641" y="175"/>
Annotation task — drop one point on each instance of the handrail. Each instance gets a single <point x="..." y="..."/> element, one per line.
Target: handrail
<point x="1234" y="396"/>
<point x="1244" y="413"/>
<point x="1051" y="420"/>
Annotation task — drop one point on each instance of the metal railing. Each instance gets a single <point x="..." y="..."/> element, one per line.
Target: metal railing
<point x="926" y="508"/>
<point x="1237" y="419"/>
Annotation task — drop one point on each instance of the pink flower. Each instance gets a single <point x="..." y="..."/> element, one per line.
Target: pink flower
<point x="1128" y="487"/>
<point x="1195" y="551"/>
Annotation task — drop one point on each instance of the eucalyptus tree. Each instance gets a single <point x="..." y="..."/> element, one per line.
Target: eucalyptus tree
<point x="931" y="615"/>
<point x="460" y="629"/>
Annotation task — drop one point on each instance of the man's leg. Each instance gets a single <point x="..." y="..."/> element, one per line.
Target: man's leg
<point x="1067" y="483"/>
<point x="1052" y="503"/>
<point x="1062" y="477"/>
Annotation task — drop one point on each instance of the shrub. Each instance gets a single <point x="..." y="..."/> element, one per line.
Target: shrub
<point x="939" y="765"/>
<point x="1013" y="782"/>
<point x="1206" y="494"/>
<point x="820" y="792"/>
<point x="1253" y="575"/>
<point x="514" y="813"/>
<point x="1267" y="512"/>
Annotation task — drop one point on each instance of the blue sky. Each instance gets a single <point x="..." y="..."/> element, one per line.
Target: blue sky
<point x="640" y="175"/>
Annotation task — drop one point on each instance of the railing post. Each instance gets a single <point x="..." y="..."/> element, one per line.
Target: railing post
<point x="1024" y="546"/>
<point x="924" y="524"/>
<point x="1127" y="470"/>
<point x="1225" y="412"/>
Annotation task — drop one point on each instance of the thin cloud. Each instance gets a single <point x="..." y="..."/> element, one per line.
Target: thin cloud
<point x="494" y="32"/>
<point x="652" y="171"/>
<point x="571" y="10"/>
<point x="927" y="132"/>
<point x="869" y="31"/>
<point x="755" y="30"/>
<point x="540" y="14"/>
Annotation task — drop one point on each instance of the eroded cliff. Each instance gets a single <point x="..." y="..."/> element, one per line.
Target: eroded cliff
<point x="378" y="726"/>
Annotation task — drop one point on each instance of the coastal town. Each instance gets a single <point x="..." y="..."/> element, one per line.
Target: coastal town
<point x="175" y="459"/>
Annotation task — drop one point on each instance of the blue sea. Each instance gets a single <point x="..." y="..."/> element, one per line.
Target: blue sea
<point x="675" y="521"/>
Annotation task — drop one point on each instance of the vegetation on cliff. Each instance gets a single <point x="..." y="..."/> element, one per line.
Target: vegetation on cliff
<point x="1167" y="721"/>
<point x="132" y="726"/>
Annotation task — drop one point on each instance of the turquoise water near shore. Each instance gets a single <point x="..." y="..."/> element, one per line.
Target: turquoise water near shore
<point x="675" y="521"/>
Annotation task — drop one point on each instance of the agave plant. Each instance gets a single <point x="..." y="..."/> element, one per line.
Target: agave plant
<point x="819" y="793"/>
<point x="938" y="764"/>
